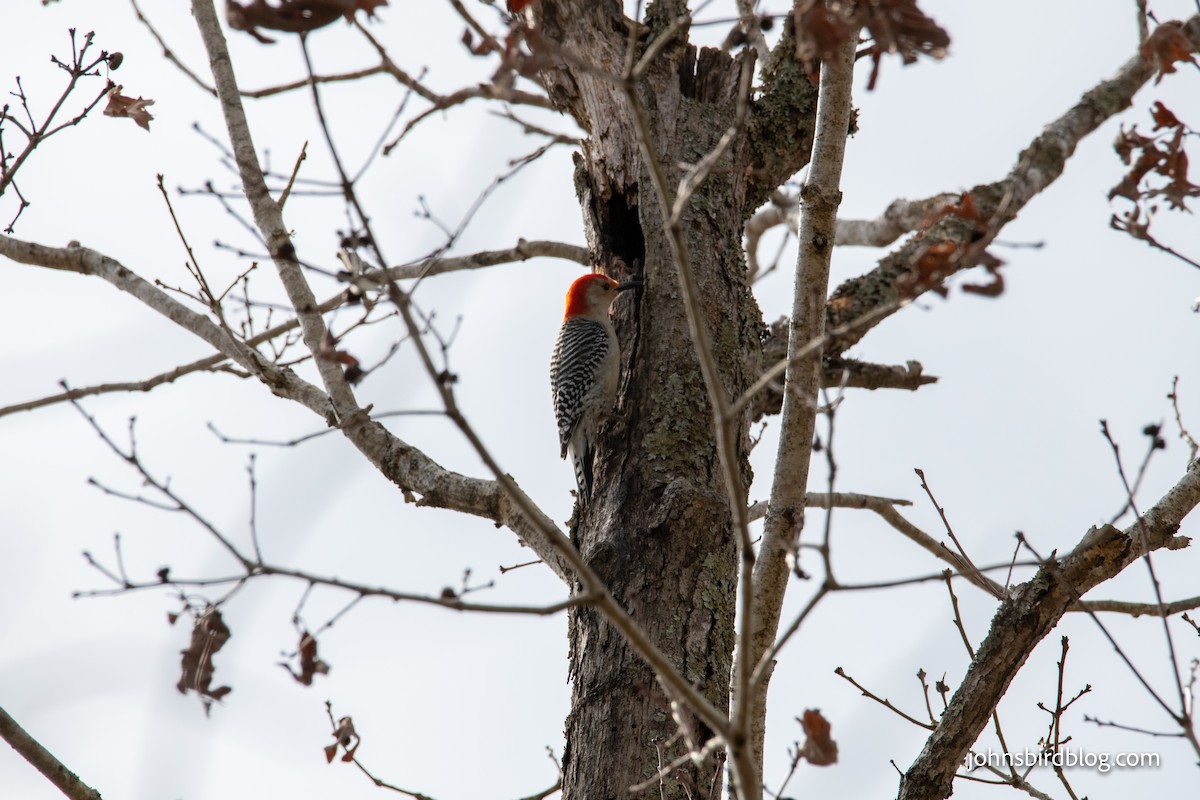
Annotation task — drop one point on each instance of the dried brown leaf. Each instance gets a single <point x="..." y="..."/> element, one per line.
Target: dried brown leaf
<point x="1163" y="156"/>
<point x="310" y="665"/>
<point x="899" y="26"/>
<point x="1176" y="168"/>
<point x="1128" y="141"/>
<point x="894" y="26"/>
<point x="343" y="734"/>
<point x="209" y="634"/>
<point x="293" y="16"/>
<point x="820" y="31"/>
<point x="135" y="108"/>
<point x="819" y="748"/>
<point x="993" y="288"/>
<point x="1164" y="117"/>
<point x="1167" y="46"/>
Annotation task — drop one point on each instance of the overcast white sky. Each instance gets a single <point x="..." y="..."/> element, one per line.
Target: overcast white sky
<point x="1093" y="325"/>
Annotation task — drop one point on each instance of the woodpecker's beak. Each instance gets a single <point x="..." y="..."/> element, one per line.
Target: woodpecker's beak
<point x="632" y="284"/>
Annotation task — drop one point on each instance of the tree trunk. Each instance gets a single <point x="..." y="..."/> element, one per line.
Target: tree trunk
<point x="658" y="528"/>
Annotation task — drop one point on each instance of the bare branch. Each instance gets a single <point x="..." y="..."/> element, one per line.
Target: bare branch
<point x="803" y="352"/>
<point x="522" y="251"/>
<point x="901" y="217"/>
<point x="1026" y="615"/>
<point x="177" y="503"/>
<point x="486" y="91"/>
<point x="766" y="395"/>
<point x="544" y="793"/>
<point x="212" y="364"/>
<point x="449" y="600"/>
<point x="785" y="517"/>
<point x="1039" y="166"/>
<point x="1155" y="584"/>
<point x="837" y="500"/>
<point x="55" y="771"/>
<point x="885" y="507"/>
<point x="1130" y="222"/>
<point x="340" y="77"/>
<point x="441" y="102"/>
<point x="268" y="216"/>
<point x="406" y="466"/>
<point x="34" y="132"/>
<point x="168" y="53"/>
<point x="1139" y="609"/>
<point x="962" y="553"/>
<point x="85" y="261"/>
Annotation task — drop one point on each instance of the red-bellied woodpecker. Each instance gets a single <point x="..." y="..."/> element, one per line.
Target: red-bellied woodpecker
<point x="584" y="371"/>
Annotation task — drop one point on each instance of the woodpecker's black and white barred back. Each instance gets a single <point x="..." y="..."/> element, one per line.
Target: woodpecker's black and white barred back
<point x="580" y="354"/>
<point x="584" y="372"/>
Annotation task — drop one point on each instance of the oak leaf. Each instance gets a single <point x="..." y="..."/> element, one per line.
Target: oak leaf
<point x="135" y="108"/>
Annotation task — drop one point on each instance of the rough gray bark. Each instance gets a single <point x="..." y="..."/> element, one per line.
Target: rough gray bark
<point x="659" y="529"/>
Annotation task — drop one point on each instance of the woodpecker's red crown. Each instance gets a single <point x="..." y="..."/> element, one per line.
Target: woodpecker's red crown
<point x="590" y="293"/>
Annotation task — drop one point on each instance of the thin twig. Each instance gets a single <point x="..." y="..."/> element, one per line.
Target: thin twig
<point x="1193" y="445"/>
<point x="883" y="701"/>
<point x="287" y="190"/>
<point x="962" y="553"/>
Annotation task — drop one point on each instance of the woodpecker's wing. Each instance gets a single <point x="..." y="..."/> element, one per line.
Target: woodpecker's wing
<point x="575" y="372"/>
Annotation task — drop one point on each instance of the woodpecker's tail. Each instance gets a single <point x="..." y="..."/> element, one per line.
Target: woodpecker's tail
<point x="581" y="459"/>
